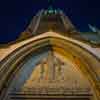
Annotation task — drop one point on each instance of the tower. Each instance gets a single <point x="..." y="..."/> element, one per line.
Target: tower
<point x="51" y="20"/>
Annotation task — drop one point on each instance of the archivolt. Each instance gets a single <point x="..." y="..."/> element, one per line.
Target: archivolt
<point x="9" y="66"/>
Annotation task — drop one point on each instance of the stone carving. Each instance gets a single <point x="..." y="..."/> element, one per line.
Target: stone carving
<point x="54" y="75"/>
<point x="55" y="67"/>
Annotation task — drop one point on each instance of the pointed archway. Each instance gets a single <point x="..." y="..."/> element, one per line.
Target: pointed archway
<point x="67" y="49"/>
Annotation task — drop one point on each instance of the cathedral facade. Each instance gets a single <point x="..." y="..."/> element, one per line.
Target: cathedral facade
<point x="49" y="61"/>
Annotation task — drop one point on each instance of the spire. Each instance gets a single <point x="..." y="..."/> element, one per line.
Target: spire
<point x="92" y="28"/>
<point x="50" y="20"/>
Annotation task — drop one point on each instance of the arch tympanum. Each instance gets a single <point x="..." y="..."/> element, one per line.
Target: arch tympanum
<point x="50" y="67"/>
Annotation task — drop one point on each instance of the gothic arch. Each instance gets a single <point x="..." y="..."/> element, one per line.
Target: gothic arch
<point x="62" y="46"/>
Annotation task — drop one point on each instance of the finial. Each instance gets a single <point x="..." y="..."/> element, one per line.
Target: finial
<point x="50" y="2"/>
<point x="51" y="9"/>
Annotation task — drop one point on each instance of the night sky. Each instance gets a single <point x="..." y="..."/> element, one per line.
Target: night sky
<point x="15" y="15"/>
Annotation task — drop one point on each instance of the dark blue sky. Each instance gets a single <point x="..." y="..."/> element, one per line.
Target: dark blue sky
<point x="15" y="15"/>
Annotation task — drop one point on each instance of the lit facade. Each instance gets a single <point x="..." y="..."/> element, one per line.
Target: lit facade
<point x="51" y="60"/>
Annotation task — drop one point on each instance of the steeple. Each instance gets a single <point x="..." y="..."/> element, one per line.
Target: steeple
<point x="50" y="19"/>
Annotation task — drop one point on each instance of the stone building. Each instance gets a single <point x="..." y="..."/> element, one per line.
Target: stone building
<point x="51" y="60"/>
